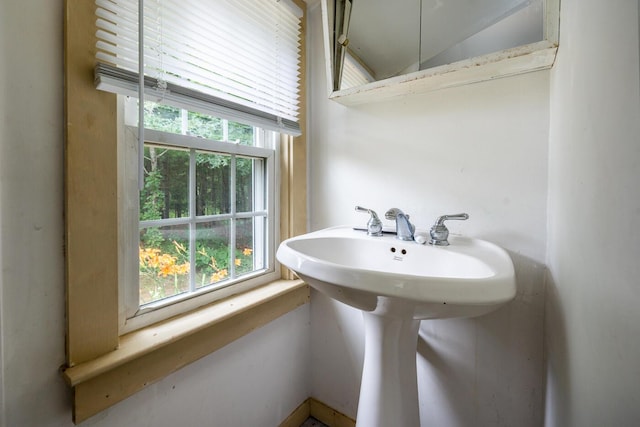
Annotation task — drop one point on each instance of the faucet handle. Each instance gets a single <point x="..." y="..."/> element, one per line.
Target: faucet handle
<point x="374" y="225"/>
<point x="443" y="218"/>
<point x="440" y="233"/>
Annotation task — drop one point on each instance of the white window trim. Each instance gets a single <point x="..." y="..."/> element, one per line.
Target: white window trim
<point x="130" y="317"/>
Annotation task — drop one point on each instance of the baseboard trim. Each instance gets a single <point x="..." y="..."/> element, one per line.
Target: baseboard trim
<point x="298" y="415"/>
<point x="320" y="411"/>
<point x="328" y="415"/>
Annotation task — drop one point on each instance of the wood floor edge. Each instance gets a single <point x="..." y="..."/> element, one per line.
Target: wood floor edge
<point x="320" y="411"/>
<point x="298" y="416"/>
<point x="329" y="416"/>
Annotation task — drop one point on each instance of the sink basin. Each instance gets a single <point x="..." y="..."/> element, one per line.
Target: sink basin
<point x="468" y="278"/>
<point x="396" y="284"/>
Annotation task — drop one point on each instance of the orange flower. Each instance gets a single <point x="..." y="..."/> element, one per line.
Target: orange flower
<point x="165" y="264"/>
<point x="238" y="262"/>
<point x="149" y="257"/>
<point x="247" y="251"/>
<point x="165" y="270"/>
<point x="182" y="268"/>
<point x="219" y="275"/>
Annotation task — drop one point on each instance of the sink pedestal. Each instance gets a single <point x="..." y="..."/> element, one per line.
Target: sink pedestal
<point x="389" y="388"/>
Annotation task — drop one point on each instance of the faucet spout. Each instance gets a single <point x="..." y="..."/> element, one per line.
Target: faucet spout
<point x="404" y="228"/>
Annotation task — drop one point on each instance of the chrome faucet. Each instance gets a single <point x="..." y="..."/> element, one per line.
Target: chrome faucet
<point x="374" y="225"/>
<point x="404" y="228"/>
<point x="440" y="233"/>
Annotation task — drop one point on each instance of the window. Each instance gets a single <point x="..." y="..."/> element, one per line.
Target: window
<point x="103" y="366"/>
<point x="206" y="225"/>
<point x="207" y="203"/>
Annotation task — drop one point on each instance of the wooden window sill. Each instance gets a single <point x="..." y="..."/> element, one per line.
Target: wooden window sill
<point x="149" y="354"/>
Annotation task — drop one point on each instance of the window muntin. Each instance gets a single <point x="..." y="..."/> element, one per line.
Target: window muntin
<point x="206" y="213"/>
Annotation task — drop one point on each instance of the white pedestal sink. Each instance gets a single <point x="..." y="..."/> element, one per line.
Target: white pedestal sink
<point x="396" y="284"/>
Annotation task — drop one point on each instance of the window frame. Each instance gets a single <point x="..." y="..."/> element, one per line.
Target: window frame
<point x="132" y="315"/>
<point x="103" y="367"/>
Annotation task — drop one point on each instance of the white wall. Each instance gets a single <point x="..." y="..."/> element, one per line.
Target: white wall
<point x="593" y="319"/>
<point x="256" y="381"/>
<point x="480" y="149"/>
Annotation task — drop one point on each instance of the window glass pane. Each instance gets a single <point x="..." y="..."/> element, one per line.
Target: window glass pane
<point x="250" y="239"/>
<point x="166" y="183"/>
<point x="241" y="134"/>
<point x="213" y="184"/>
<point x="249" y="175"/>
<point x="166" y="118"/>
<point x="164" y="262"/>
<point x="205" y="126"/>
<point x="162" y="117"/>
<point x="212" y="252"/>
<point x="181" y="252"/>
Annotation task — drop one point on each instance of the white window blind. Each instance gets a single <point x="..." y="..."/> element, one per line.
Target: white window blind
<point x="236" y="59"/>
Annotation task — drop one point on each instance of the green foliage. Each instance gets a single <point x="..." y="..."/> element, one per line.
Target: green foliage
<point x="243" y="134"/>
<point x="150" y="208"/>
<point x="152" y="196"/>
<point x="162" y="117"/>
<point x="169" y="119"/>
<point x="205" y="126"/>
